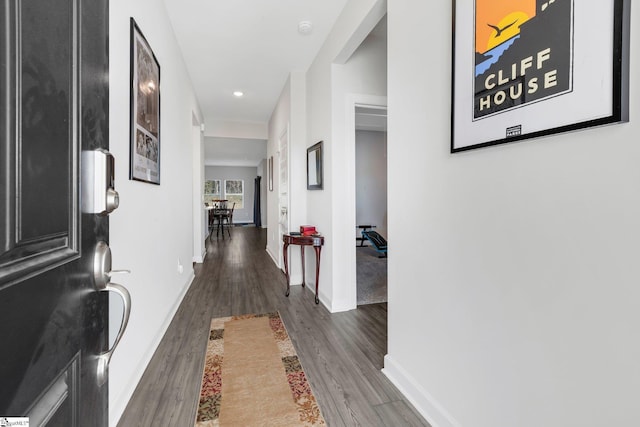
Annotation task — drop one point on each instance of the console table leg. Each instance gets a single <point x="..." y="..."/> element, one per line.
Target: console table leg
<point x="317" y="249"/>
<point x="286" y="266"/>
<point x="302" y="255"/>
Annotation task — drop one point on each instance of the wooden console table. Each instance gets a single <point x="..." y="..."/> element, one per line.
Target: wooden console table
<point x="302" y="241"/>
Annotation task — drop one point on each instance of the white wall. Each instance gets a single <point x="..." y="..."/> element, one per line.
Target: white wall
<point x="288" y="116"/>
<point x="151" y="233"/>
<point x="240" y="130"/>
<point x="518" y="304"/>
<point x="371" y="180"/>
<point x="248" y="175"/>
<point x="225" y="151"/>
<point x="330" y="86"/>
<point x="278" y="123"/>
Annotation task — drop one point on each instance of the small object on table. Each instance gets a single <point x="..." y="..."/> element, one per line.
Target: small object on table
<point x="308" y="230"/>
<point x="316" y="241"/>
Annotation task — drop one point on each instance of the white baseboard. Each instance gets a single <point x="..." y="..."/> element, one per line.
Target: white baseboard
<point x="424" y="403"/>
<point x="337" y="307"/>
<point x="117" y="408"/>
<point x="273" y="257"/>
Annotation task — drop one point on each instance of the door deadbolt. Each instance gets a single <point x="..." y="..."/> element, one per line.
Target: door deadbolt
<point x="98" y="182"/>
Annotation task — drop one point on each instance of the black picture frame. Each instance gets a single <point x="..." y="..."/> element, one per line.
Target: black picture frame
<point x="314" y="167"/>
<point x="144" y="153"/>
<point x="561" y="66"/>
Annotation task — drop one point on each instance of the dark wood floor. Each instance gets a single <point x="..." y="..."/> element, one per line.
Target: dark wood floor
<point x="341" y="353"/>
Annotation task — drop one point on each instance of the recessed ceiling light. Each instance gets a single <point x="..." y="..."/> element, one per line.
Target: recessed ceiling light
<point x="238" y="94"/>
<point x="305" y="27"/>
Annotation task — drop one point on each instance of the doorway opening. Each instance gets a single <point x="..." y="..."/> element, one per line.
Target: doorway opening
<point x="371" y="203"/>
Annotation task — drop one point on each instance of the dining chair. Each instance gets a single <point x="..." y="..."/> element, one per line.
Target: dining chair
<point x="226" y="216"/>
<point x="229" y="216"/>
<point x="215" y="216"/>
<point x="222" y="214"/>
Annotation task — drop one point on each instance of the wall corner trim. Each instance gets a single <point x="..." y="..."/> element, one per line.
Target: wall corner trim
<point x="422" y="400"/>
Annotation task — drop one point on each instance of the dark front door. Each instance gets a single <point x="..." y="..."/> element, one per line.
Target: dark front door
<point x="53" y="106"/>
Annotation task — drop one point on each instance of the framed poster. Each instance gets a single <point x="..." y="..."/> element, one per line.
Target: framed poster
<point x="528" y="68"/>
<point x="145" y="110"/>
<point x="314" y="167"/>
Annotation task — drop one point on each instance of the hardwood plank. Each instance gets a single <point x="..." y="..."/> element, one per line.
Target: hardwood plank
<point x="341" y="353"/>
<point x="398" y="414"/>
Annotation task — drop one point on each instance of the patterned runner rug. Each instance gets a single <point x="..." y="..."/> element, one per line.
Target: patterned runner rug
<point x="253" y="377"/>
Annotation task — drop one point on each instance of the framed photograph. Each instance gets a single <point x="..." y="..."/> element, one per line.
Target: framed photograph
<point x="145" y="110"/>
<point x="314" y="167"/>
<point x="528" y="68"/>
<point x="270" y="173"/>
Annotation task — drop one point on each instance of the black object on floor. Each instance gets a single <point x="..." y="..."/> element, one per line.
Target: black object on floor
<point x="363" y="228"/>
<point x="378" y="242"/>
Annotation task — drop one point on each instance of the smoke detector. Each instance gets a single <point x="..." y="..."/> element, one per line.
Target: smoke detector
<point x="305" y="27"/>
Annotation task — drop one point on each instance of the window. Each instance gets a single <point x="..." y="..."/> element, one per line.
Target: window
<point x="234" y="192"/>
<point x="212" y="190"/>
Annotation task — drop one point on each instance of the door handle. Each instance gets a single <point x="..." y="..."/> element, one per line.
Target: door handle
<point x="105" y="358"/>
<point x="102" y="277"/>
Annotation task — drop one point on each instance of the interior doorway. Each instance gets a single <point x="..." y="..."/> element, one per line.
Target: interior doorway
<point x="371" y="203"/>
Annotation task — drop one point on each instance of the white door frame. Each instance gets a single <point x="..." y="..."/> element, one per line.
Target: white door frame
<point x="200" y="220"/>
<point x="349" y="217"/>
<point x="283" y="193"/>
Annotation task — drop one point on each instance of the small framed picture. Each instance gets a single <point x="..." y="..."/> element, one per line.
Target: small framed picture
<point x="314" y="167"/>
<point x="145" y="110"/>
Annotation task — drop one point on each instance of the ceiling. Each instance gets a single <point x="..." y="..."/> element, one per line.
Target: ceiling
<point x="249" y="46"/>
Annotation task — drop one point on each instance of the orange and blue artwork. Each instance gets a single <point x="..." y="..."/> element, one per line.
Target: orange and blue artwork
<point x="523" y="53"/>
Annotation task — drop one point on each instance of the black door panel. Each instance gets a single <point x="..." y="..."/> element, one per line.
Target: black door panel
<point x="53" y="105"/>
